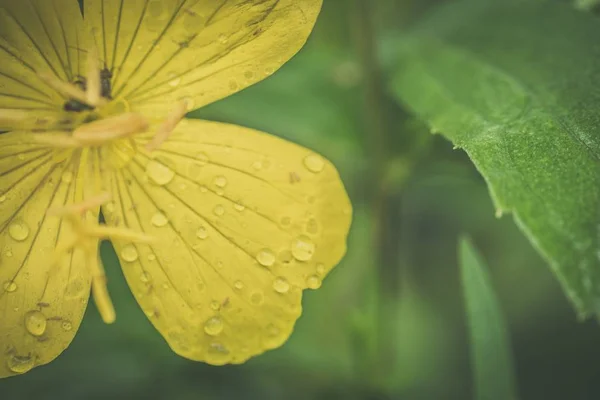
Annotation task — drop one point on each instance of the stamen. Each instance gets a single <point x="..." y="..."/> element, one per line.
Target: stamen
<point x="100" y="290"/>
<point x="87" y="237"/>
<point x="93" y="92"/>
<point x="66" y="89"/>
<point x="104" y="130"/>
<point x="167" y="127"/>
<point x="80" y="208"/>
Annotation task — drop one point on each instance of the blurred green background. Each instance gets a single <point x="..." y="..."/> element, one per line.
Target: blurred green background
<point x="389" y="322"/>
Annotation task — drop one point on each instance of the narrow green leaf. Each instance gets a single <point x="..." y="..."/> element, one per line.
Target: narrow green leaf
<point x="517" y="86"/>
<point x="490" y="346"/>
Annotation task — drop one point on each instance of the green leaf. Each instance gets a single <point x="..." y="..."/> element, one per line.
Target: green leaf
<point x="517" y="85"/>
<point x="490" y="346"/>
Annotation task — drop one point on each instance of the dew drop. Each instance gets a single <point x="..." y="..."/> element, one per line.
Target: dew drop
<point x="174" y="80"/>
<point x="249" y="75"/>
<point x="320" y="269"/>
<point x="213" y="326"/>
<point x="129" y="253"/>
<point x="20" y="364"/>
<point x="313" y="282"/>
<point x="256" y="298"/>
<point x="220" y="181"/>
<point x="159" y="219"/>
<point x="266" y="257"/>
<point x="10" y="286"/>
<point x="286" y="221"/>
<point x="67" y="177"/>
<point x="8" y="253"/>
<point x="281" y="285"/>
<point x="223" y="39"/>
<point x="66" y="325"/>
<point x="273" y="330"/>
<point x="239" y="285"/>
<point x="159" y="173"/>
<point x="2" y="198"/>
<point x="314" y="163"/>
<point x="233" y="85"/>
<point x="151" y="257"/>
<point x="215" y="305"/>
<point x="18" y="231"/>
<point x="312" y="226"/>
<point x="202" y="233"/>
<point x="257" y="165"/>
<point x="202" y="159"/>
<point x="219" y="210"/>
<point x="35" y="323"/>
<point x="239" y="207"/>
<point x="145" y="277"/>
<point x="303" y="248"/>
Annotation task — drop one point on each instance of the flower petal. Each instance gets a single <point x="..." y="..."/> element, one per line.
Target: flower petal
<point x="38" y="37"/>
<point x="41" y="306"/>
<point x="164" y="51"/>
<point x="244" y="222"/>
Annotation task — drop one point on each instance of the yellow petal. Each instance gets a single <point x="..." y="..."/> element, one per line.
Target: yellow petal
<point x="41" y="306"/>
<point x="37" y="37"/>
<point x="244" y="221"/>
<point x="162" y="51"/>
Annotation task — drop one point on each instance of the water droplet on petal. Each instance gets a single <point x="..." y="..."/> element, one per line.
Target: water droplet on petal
<point x="303" y="248"/>
<point x="320" y="269"/>
<point x="313" y="282"/>
<point x="219" y="210"/>
<point x="239" y="285"/>
<point x="265" y="257"/>
<point x="220" y="181"/>
<point x="215" y="305"/>
<point x="174" y="80"/>
<point x="35" y="323"/>
<point x="10" y="286"/>
<point x="312" y="226"/>
<point x="239" y="207"/>
<point x="202" y="159"/>
<point x="285" y="256"/>
<point x="281" y="285"/>
<point x="159" y="219"/>
<point x="67" y="177"/>
<point x="257" y="165"/>
<point x="223" y="38"/>
<point x="129" y="253"/>
<point x="286" y="221"/>
<point x="151" y="257"/>
<point x="202" y="233"/>
<point x="314" y="163"/>
<point x="145" y="277"/>
<point x="20" y="364"/>
<point x="18" y="231"/>
<point x="256" y="298"/>
<point x="213" y="326"/>
<point x="66" y="325"/>
<point x="249" y="75"/>
<point x="2" y="198"/>
<point x="159" y="173"/>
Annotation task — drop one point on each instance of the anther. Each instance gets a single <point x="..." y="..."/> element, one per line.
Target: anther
<point x="167" y="127"/>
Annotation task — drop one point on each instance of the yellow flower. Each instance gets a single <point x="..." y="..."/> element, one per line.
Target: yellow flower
<point x="218" y="228"/>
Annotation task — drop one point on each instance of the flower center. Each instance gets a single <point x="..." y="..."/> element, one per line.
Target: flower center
<point x="98" y="119"/>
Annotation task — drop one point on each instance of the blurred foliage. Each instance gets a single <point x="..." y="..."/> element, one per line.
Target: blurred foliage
<point x="389" y="321"/>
